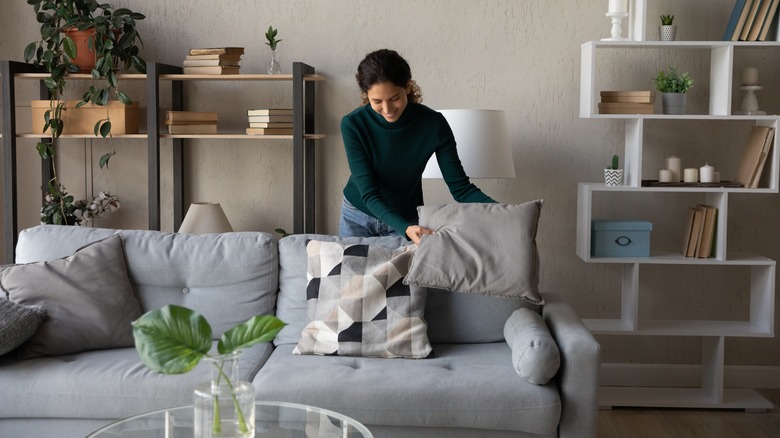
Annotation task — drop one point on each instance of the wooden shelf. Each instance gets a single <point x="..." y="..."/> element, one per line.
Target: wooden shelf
<point x="81" y="76"/>
<point x="238" y="77"/>
<point x="223" y="136"/>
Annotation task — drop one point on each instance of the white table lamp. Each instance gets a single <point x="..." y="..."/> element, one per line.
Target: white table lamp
<point x="483" y="144"/>
<point x="205" y="217"/>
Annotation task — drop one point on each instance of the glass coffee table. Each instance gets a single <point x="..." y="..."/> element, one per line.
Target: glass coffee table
<point x="272" y="419"/>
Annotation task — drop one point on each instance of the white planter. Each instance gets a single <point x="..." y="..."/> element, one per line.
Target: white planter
<point x="667" y="33"/>
<point x="613" y="177"/>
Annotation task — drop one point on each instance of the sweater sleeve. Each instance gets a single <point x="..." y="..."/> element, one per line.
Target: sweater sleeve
<point x="363" y="176"/>
<point x="460" y="187"/>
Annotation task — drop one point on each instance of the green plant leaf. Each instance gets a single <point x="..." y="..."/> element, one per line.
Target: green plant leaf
<point x="70" y="47"/>
<point x="104" y="159"/>
<point x="105" y="128"/>
<point x="29" y="51"/>
<point x="123" y="98"/>
<point x="253" y="331"/>
<point x="172" y="339"/>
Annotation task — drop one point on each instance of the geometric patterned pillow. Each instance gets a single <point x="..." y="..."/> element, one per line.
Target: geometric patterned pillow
<point x="358" y="305"/>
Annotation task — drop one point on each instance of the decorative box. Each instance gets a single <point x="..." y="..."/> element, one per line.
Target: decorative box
<point x="617" y="238"/>
<point x="124" y="118"/>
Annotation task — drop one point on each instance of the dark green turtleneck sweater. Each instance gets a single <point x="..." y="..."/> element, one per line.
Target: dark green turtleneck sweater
<point x="387" y="160"/>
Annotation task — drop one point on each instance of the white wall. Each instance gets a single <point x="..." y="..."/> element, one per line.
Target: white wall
<point x="519" y="56"/>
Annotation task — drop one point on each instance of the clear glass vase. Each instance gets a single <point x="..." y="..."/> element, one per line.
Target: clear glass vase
<point x="225" y="406"/>
<point x="273" y="67"/>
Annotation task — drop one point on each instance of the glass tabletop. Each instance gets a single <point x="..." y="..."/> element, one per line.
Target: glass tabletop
<point x="272" y="419"/>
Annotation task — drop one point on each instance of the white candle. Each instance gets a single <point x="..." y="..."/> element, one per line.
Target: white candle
<point x="618" y="6"/>
<point x="707" y="173"/>
<point x="665" y="176"/>
<point x="673" y="164"/>
<point x="691" y="175"/>
<point x="750" y="76"/>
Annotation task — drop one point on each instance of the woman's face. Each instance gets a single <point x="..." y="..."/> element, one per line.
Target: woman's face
<point x="388" y="100"/>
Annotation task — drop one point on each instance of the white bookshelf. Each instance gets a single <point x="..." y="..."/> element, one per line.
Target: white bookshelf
<point x="710" y="392"/>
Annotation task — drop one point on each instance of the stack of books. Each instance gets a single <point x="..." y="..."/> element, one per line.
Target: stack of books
<point x="270" y="121"/>
<point x="699" y="232"/>
<point x="753" y="20"/>
<point x="754" y="154"/>
<point x="213" y="61"/>
<point x="627" y="102"/>
<point x="191" y="122"/>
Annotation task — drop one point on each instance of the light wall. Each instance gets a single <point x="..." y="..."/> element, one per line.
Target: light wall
<point x="519" y="56"/>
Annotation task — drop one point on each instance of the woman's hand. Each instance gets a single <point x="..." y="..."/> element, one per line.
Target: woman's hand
<point x="415" y="232"/>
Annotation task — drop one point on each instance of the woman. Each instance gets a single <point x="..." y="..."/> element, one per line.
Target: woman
<point x="388" y="142"/>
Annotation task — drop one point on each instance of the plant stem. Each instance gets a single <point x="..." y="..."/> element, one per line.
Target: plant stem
<point x="217" y="426"/>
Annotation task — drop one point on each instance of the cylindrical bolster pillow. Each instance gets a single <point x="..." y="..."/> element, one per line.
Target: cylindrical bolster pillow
<point x="535" y="355"/>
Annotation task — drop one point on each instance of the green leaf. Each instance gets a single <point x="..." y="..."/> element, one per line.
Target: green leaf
<point x="257" y="329"/>
<point x="29" y="51"/>
<point x="105" y="129"/>
<point x="172" y="339"/>
<point x="123" y="98"/>
<point x="104" y="159"/>
<point x="50" y="83"/>
<point x="70" y="47"/>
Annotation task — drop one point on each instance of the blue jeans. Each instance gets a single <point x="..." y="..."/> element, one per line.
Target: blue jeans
<point x="355" y="223"/>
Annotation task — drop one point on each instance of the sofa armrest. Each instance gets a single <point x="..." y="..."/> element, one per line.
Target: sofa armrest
<point x="578" y="377"/>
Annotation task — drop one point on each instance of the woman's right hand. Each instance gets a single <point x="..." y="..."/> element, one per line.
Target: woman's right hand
<point x="415" y="232"/>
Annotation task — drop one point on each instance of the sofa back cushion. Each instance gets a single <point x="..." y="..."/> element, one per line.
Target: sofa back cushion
<point x="452" y="317"/>
<point x="227" y="277"/>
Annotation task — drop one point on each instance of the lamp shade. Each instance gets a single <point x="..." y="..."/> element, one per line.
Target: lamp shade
<point x="483" y="144"/>
<point x="205" y="217"/>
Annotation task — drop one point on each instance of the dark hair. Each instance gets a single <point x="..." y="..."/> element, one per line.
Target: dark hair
<point x="386" y="66"/>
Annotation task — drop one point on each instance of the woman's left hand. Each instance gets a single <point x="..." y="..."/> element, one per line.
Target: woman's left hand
<point x="415" y="232"/>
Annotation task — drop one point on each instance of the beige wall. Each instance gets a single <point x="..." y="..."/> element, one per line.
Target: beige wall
<point x="519" y="56"/>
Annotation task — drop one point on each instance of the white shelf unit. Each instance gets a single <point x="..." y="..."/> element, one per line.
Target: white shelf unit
<point x="710" y="392"/>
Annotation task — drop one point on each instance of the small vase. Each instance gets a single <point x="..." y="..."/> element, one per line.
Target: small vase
<point x="667" y="33"/>
<point x="273" y="67"/>
<point x="225" y="406"/>
<point x="613" y="177"/>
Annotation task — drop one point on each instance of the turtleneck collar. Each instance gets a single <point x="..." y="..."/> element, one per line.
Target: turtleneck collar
<point x="402" y="121"/>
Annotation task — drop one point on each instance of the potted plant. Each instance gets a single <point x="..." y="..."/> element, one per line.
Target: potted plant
<point x="270" y="35"/>
<point x="613" y="175"/>
<point x="173" y="339"/>
<point x="107" y="38"/>
<point x="673" y="86"/>
<point x="667" y="31"/>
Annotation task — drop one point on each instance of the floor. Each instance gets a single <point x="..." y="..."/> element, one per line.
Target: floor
<point x="691" y="423"/>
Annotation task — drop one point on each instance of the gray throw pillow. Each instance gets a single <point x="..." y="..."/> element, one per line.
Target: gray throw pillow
<point x="18" y="324"/>
<point x="88" y="296"/>
<point x="535" y="355"/>
<point x="358" y="305"/>
<point x="487" y="249"/>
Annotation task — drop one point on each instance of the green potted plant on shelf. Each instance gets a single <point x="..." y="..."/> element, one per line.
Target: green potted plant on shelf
<point x="173" y="339"/>
<point x="81" y="36"/>
<point x="667" y="31"/>
<point x="270" y="35"/>
<point x="674" y="87"/>
<point x="613" y="175"/>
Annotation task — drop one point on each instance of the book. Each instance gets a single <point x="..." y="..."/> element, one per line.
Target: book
<point x="756" y="178"/>
<point x="270" y="112"/>
<point x="202" y="128"/>
<point x="217" y="51"/>
<point x="269" y="131"/>
<point x="270" y="125"/>
<point x="185" y="117"/>
<point x="223" y="57"/>
<point x="687" y="230"/>
<point x="208" y="62"/>
<point x="751" y="155"/>
<point x="769" y="22"/>
<point x="696" y="229"/>
<point x="647" y="94"/>
<point x="758" y="22"/>
<point x="704" y="247"/>
<point x="627" y="99"/>
<point x="734" y="20"/>
<point x="751" y="16"/>
<point x="212" y="70"/>
<point x="625" y="108"/>
<point x="270" y="119"/>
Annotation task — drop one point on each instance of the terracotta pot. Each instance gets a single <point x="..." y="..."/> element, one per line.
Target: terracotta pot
<point x="85" y="58"/>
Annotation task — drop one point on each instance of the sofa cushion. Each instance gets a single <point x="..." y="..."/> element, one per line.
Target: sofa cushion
<point x="535" y="354"/>
<point x="104" y="384"/>
<point x="487" y="249"/>
<point x="293" y="265"/>
<point x="172" y="268"/>
<point x="88" y="295"/>
<point x="358" y="305"/>
<point x="18" y="323"/>
<point x="463" y="386"/>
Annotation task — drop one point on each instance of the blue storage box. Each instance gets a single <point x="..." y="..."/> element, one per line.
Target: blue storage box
<point x="614" y="238"/>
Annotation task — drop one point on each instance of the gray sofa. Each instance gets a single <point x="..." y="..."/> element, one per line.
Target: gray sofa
<point x="469" y="388"/>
